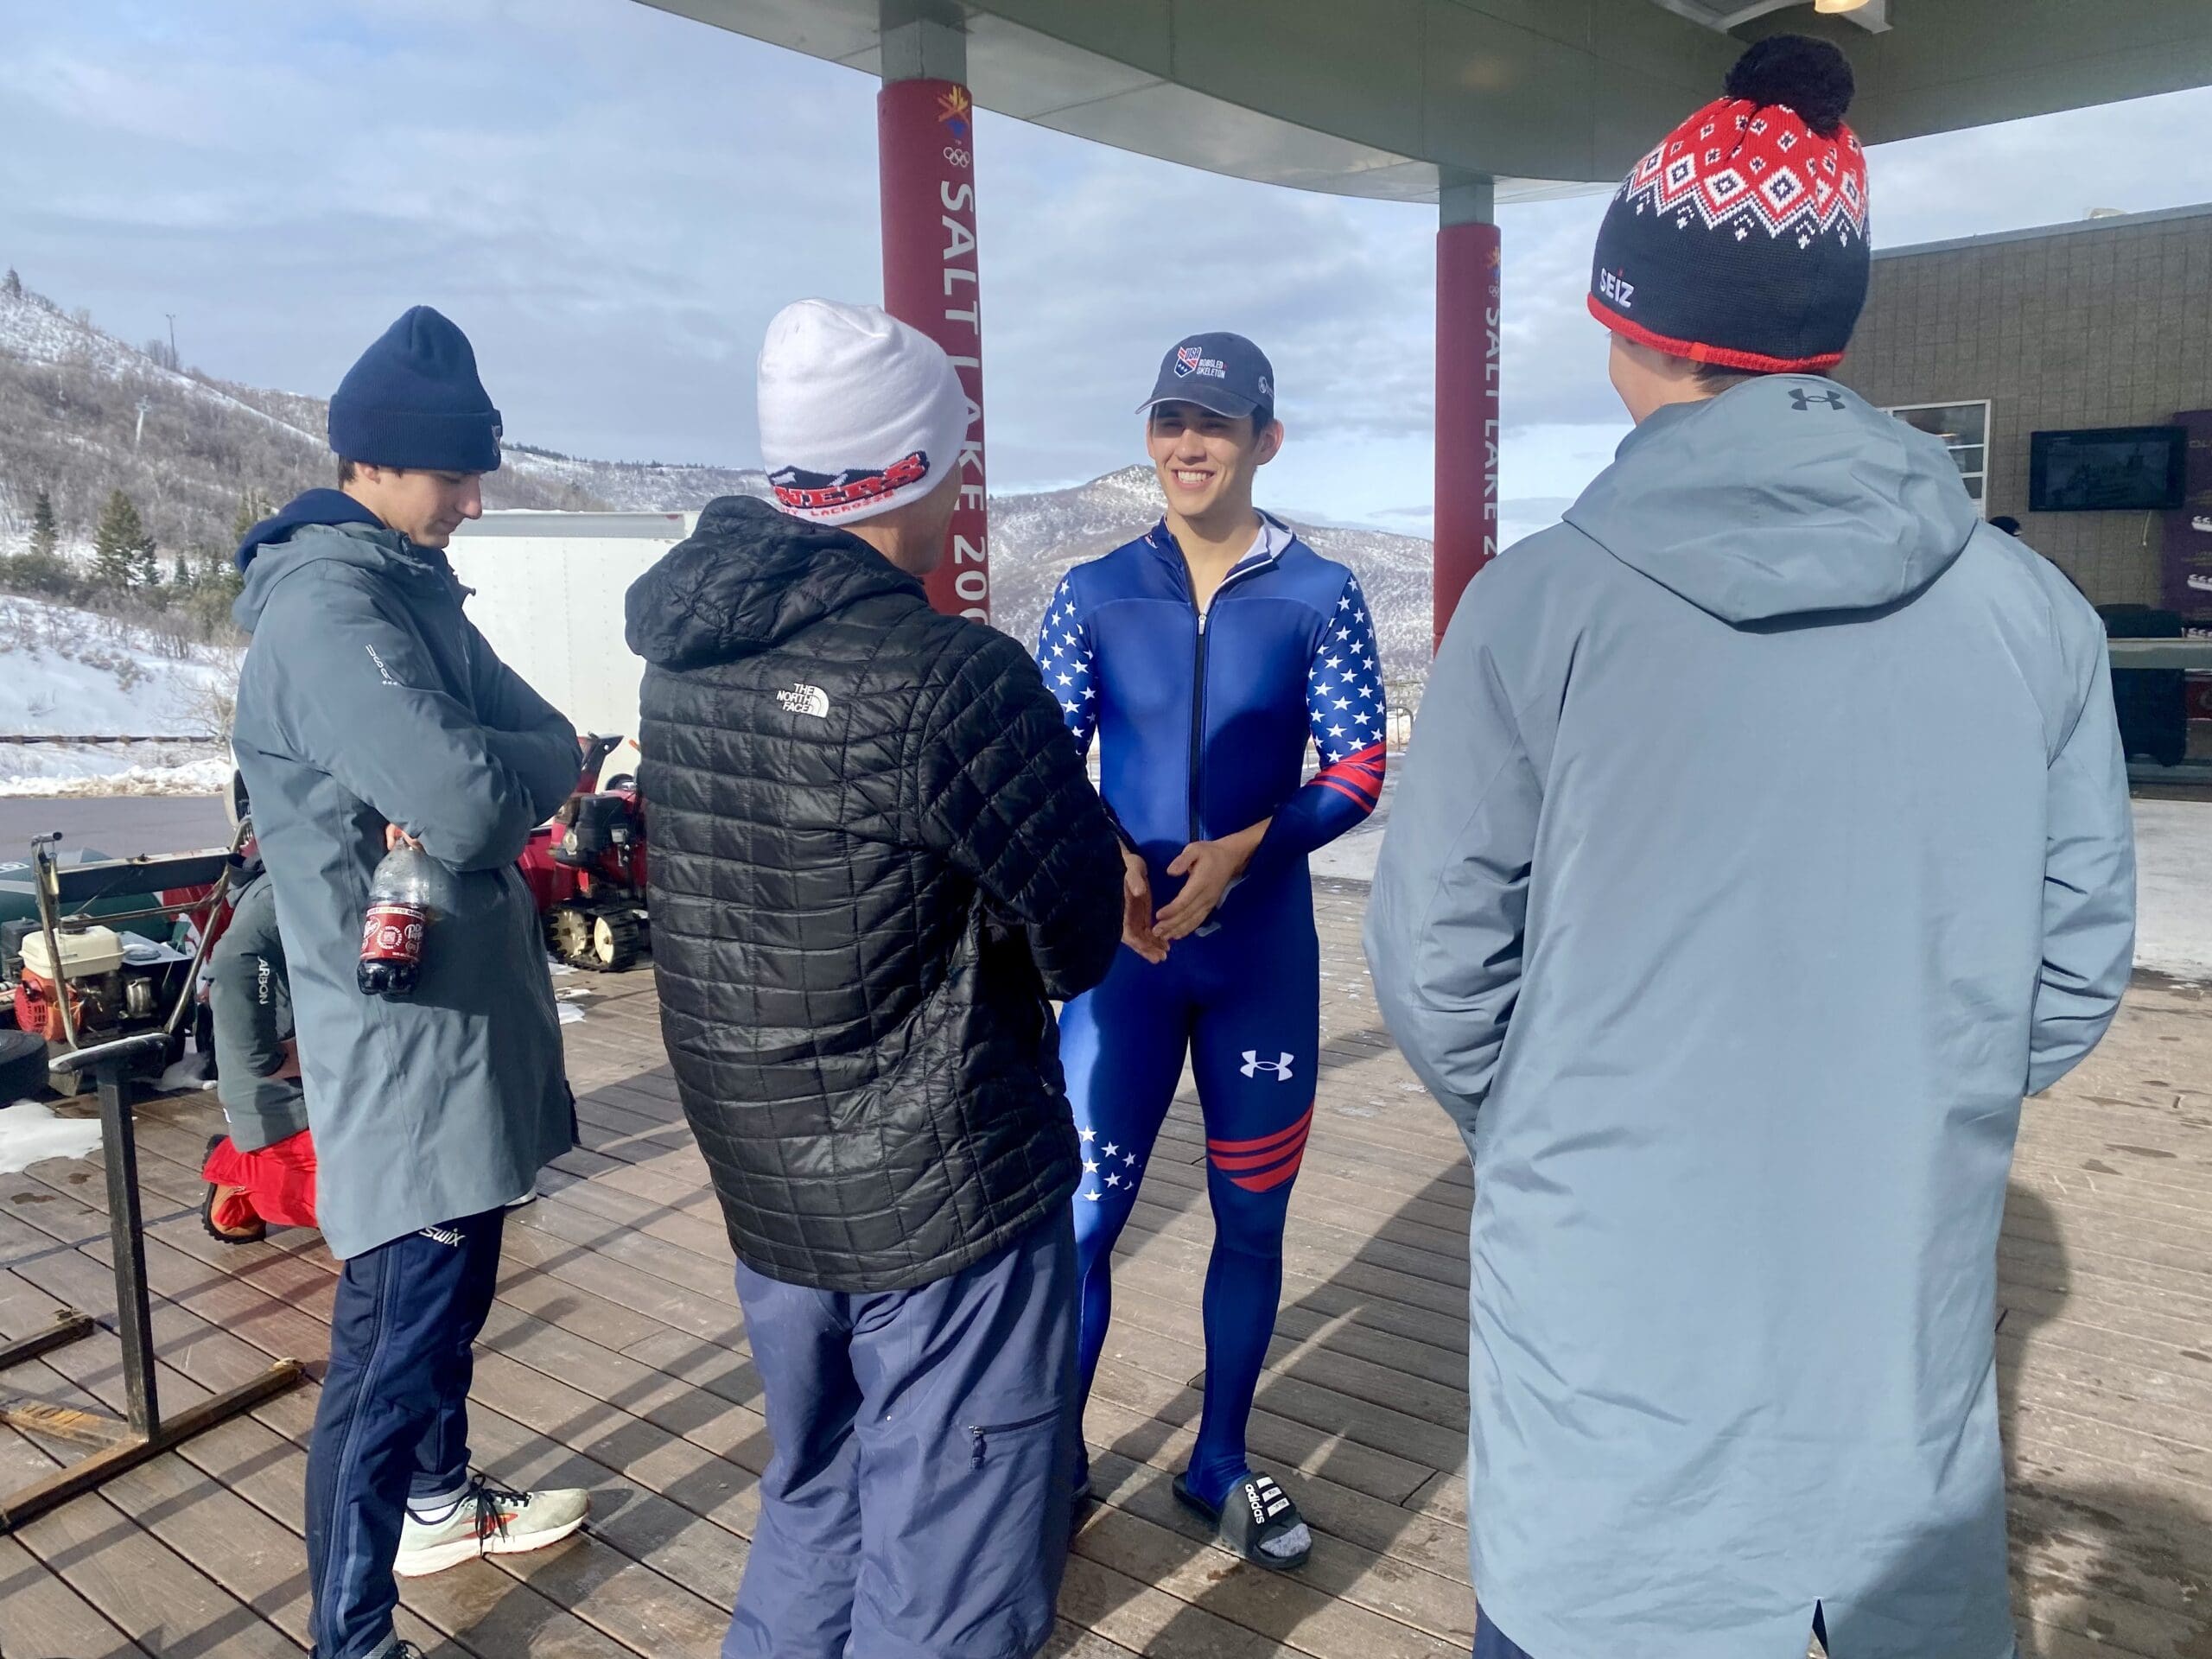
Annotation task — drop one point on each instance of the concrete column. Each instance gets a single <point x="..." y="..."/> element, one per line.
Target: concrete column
<point x="925" y="151"/>
<point x="1467" y="255"/>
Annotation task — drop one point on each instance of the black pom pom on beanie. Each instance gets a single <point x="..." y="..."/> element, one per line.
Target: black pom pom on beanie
<point x="1810" y="77"/>
<point x="1740" y="240"/>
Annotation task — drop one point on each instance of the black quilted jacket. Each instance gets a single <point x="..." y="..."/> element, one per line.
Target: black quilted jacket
<point x="876" y="858"/>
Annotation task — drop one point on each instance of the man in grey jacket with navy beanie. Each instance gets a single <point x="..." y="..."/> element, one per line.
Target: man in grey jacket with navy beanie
<point x="370" y="708"/>
<point x="1764" y="837"/>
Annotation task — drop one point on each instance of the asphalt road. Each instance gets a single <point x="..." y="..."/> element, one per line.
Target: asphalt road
<point x="120" y="826"/>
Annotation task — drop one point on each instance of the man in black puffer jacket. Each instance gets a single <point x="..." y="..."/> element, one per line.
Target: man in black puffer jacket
<point x="876" y="860"/>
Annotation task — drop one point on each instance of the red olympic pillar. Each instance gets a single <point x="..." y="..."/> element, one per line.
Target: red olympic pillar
<point x="925" y="152"/>
<point x="1467" y="258"/>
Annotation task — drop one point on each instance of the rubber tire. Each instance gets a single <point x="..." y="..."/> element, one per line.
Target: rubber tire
<point x="22" y="1066"/>
<point x="622" y="952"/>
<point x="554" y="947"/>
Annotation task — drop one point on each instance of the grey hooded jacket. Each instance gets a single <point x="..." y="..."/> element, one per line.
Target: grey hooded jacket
<point x="251" y="999"/>
<point x="368" y="698"/>
<point x="1764" y="837"/>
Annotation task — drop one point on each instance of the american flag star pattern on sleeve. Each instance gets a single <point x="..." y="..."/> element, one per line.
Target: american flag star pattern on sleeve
<point x="1349" y="714"/>
<point x="1066" y="660"/>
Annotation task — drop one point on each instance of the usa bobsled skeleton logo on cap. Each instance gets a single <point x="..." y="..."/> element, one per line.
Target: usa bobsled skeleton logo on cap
<point x="1190" y="360"/>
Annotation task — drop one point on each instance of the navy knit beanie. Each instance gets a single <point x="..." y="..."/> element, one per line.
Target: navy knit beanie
<point x="414" y="400"/>
<point x="1741" y="239"/>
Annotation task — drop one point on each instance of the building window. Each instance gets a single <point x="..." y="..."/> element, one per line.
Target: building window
<point x="1964" y="428"/>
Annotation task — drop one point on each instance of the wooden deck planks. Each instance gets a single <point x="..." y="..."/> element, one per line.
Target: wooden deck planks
<point x="616" y="1357"/>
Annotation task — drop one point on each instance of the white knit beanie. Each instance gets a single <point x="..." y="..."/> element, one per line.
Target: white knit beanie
<point x="859" y="413"/>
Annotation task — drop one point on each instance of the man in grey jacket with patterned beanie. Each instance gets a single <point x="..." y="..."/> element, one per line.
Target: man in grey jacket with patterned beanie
<point x="370" y="709"/>
<point x="1764" y="838"/>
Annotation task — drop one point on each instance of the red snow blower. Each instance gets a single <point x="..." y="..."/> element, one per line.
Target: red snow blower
<point x="587" y="869"/>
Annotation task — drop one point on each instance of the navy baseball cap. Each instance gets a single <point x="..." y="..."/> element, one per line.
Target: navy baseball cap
<point x="1226" y="373"/>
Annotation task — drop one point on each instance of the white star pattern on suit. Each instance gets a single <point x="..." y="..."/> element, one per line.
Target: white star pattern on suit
<point x="1345" y="672"/>
<point x="1126" y="1178"/>
<point x="1067" y="658"/>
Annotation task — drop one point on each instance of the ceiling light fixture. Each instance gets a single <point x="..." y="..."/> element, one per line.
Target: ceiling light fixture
<point x="1837" y="5"/>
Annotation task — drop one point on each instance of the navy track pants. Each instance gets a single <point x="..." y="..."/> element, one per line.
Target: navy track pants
<point x="393" y="1420"/>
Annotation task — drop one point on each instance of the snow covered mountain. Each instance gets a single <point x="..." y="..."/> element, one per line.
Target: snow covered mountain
<point x="82" y="414"/>
<point x="636" y="485"/>
<point x="1036" y="535"/>
<point x="72" y="398"/>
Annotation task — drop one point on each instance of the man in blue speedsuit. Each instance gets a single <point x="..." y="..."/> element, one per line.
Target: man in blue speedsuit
<point x="1204" y="656"/>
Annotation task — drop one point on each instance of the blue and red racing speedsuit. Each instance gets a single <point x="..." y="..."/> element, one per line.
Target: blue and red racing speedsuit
<point x="1203" y="720"/>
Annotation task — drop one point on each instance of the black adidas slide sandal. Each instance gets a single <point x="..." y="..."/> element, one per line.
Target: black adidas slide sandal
<point x="1257" y="1511"/>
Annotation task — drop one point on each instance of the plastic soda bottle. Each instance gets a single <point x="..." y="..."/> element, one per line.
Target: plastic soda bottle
<point x="409" y="891"/>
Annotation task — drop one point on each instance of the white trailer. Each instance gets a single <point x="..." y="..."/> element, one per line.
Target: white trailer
<point x="548" y="590"/>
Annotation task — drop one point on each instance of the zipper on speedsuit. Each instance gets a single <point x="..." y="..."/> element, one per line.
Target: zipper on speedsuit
<point x="1198" y="672"/>
<point x="1198" y="714"/>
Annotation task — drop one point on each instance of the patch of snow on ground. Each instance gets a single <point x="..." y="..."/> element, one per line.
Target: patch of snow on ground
<point x="2173" y="897"/>
<point x="30" y="1134"/>
<point x="48" y="770"/>
<point x="73" y="672"/>
<point x="2173" y="887"/>
<point x="70" y="672"/>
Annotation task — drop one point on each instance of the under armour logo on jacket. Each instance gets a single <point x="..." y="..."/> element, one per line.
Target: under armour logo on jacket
<point x="1254" y="1065"/>
<point x="1802" y="400"/>
<point x="804" y="699"/>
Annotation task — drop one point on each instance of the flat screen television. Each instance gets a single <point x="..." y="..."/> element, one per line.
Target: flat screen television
<point x="2106" y="469"/>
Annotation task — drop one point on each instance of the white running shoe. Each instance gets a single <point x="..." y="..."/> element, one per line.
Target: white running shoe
<point x="489" y="1520"/>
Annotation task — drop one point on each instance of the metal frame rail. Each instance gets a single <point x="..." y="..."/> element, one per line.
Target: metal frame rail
<point x="143" y="1432"/>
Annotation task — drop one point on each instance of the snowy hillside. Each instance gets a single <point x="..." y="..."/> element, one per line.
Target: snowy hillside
<point x="70" y="672"/>
<point x="35" y="330"/>
<point x="636" y="485"/>
<point x="83" y="415"/>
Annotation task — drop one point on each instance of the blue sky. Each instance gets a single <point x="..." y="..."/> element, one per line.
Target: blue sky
<point x="613" y="201"/>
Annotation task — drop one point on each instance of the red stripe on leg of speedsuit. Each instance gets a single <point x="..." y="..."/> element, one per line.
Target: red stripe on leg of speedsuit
<point x="1271" y="1179"/>
<point x="1297" y="1130"/>
<point x="1276" y="1160"/>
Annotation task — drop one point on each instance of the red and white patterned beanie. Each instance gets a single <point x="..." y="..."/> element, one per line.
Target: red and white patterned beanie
<point x="1741" y="239"/>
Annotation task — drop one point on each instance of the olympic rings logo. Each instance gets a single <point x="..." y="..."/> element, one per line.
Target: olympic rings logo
<point x="956" y="155"/>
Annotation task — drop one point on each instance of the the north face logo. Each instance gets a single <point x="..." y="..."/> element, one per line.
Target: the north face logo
<point x="804" y="699"/>
<point x="1254" y="1065"/>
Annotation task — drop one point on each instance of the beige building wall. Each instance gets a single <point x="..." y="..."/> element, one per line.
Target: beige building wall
<point x="2106" y="322"/>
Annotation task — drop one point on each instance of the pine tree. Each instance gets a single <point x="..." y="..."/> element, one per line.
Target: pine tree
<point x="120" y="545"/>
<point x="40" y="568"/>
<point x="253" y="506"/>
<point x="13" y="286"/>
<point x="45" y="535"/>
<point x="215" y="585"/>
<point x="182" y="578"/>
